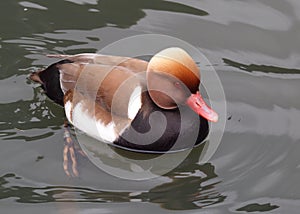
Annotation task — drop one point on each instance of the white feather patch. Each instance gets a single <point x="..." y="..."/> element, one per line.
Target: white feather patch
<point x="68" y="109"/>
<point x="135" y="102"/>
<point x="90" y="125"/>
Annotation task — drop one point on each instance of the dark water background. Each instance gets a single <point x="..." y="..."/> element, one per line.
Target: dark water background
<point x="253" y="45"/>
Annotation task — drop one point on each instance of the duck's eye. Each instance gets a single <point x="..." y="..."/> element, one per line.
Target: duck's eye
<point x="177" y="84"/>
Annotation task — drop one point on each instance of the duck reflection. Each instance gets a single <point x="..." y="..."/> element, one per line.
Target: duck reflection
<point x="189" y="186"/>
<point x="192" y="186"/>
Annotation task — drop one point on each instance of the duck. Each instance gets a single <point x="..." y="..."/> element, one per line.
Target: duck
<point x="131" y="103"/>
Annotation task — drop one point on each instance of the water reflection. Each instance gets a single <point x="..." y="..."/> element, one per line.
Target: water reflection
<point x="260" y="68"/>
<point x="23" y="118"/>
<point x="31" y="194"/>
<point x="190" y="186"/>
<point x="119" y="13"/>
<point x="258" y="207"/>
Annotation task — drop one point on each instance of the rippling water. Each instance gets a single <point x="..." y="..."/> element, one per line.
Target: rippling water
<point x="254" y="47"/>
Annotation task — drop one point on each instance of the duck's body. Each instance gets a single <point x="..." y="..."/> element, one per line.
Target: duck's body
<point x="112" y="99"/>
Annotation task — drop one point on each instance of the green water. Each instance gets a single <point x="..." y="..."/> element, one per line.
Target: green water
<point x="254" y="47"/>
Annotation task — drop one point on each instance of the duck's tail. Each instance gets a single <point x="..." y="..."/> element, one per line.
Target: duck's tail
<point x="49" y="79"/>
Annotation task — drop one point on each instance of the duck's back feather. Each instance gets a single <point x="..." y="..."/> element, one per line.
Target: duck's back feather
<point x="96" y="76"/>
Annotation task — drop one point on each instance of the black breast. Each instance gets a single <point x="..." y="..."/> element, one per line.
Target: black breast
<point x="156" y="129"/>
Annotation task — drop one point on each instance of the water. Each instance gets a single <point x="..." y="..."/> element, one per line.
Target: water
<point x="254" y="47"/>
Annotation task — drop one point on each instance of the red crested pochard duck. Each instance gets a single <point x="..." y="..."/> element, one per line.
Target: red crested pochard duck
<point x="129" y="102"/>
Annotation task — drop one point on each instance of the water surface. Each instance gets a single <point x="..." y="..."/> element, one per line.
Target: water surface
<point x="254" y="47"/>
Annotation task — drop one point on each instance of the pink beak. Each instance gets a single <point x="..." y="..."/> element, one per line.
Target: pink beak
<point x="196" y="102"/>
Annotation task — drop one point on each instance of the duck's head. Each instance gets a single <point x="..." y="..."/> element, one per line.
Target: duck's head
<point x="173" y="79"/>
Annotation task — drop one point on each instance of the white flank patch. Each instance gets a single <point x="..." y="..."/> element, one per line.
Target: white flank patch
<point x="135" y="102"/>
<point x="107" y="132"/>
<point x="68" y="109"/>
<point x="92" y="127"/>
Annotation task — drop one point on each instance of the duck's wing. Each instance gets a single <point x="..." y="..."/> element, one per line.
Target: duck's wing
<point x="114" y="88"/>
<point x="133" y="64"/>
